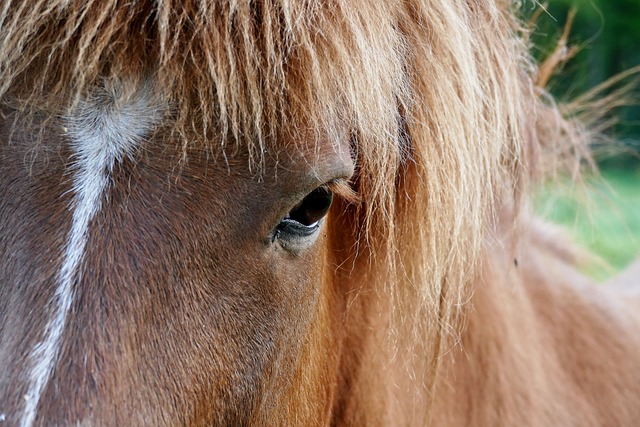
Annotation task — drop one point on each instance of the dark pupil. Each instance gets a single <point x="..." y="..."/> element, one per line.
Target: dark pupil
<point x="313" y="208"/>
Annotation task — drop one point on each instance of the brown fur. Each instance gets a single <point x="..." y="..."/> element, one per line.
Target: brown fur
<point x="409" y="309"/>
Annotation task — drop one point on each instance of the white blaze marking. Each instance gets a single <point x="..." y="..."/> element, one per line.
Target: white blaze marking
<point x="101" y="132"/>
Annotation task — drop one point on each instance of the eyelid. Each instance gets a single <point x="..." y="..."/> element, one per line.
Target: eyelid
<point x="295" y="237"/>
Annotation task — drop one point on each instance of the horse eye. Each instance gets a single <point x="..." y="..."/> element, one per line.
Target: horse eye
<point x="312" y="208"/>
<point x="303" y="220"/>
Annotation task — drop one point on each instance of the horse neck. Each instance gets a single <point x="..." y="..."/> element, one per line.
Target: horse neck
<point x="541" y="341"/>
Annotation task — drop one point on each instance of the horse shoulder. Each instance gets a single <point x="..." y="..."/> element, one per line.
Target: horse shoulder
<point x="542" y="346"/>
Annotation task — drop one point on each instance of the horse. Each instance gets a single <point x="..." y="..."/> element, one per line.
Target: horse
<point x="300" y="213"/>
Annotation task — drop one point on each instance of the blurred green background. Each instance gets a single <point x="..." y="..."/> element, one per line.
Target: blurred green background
<point x="604" y="215"/>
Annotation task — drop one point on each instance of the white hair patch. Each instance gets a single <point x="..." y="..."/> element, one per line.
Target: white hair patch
<point x="103" y="130"/>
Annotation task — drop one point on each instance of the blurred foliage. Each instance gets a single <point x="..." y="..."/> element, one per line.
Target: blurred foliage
<point x="607" y="33"/>
<point x="602" y="216"/>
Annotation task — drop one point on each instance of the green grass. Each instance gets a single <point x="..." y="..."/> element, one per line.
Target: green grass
<point x="603" y="216"/>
